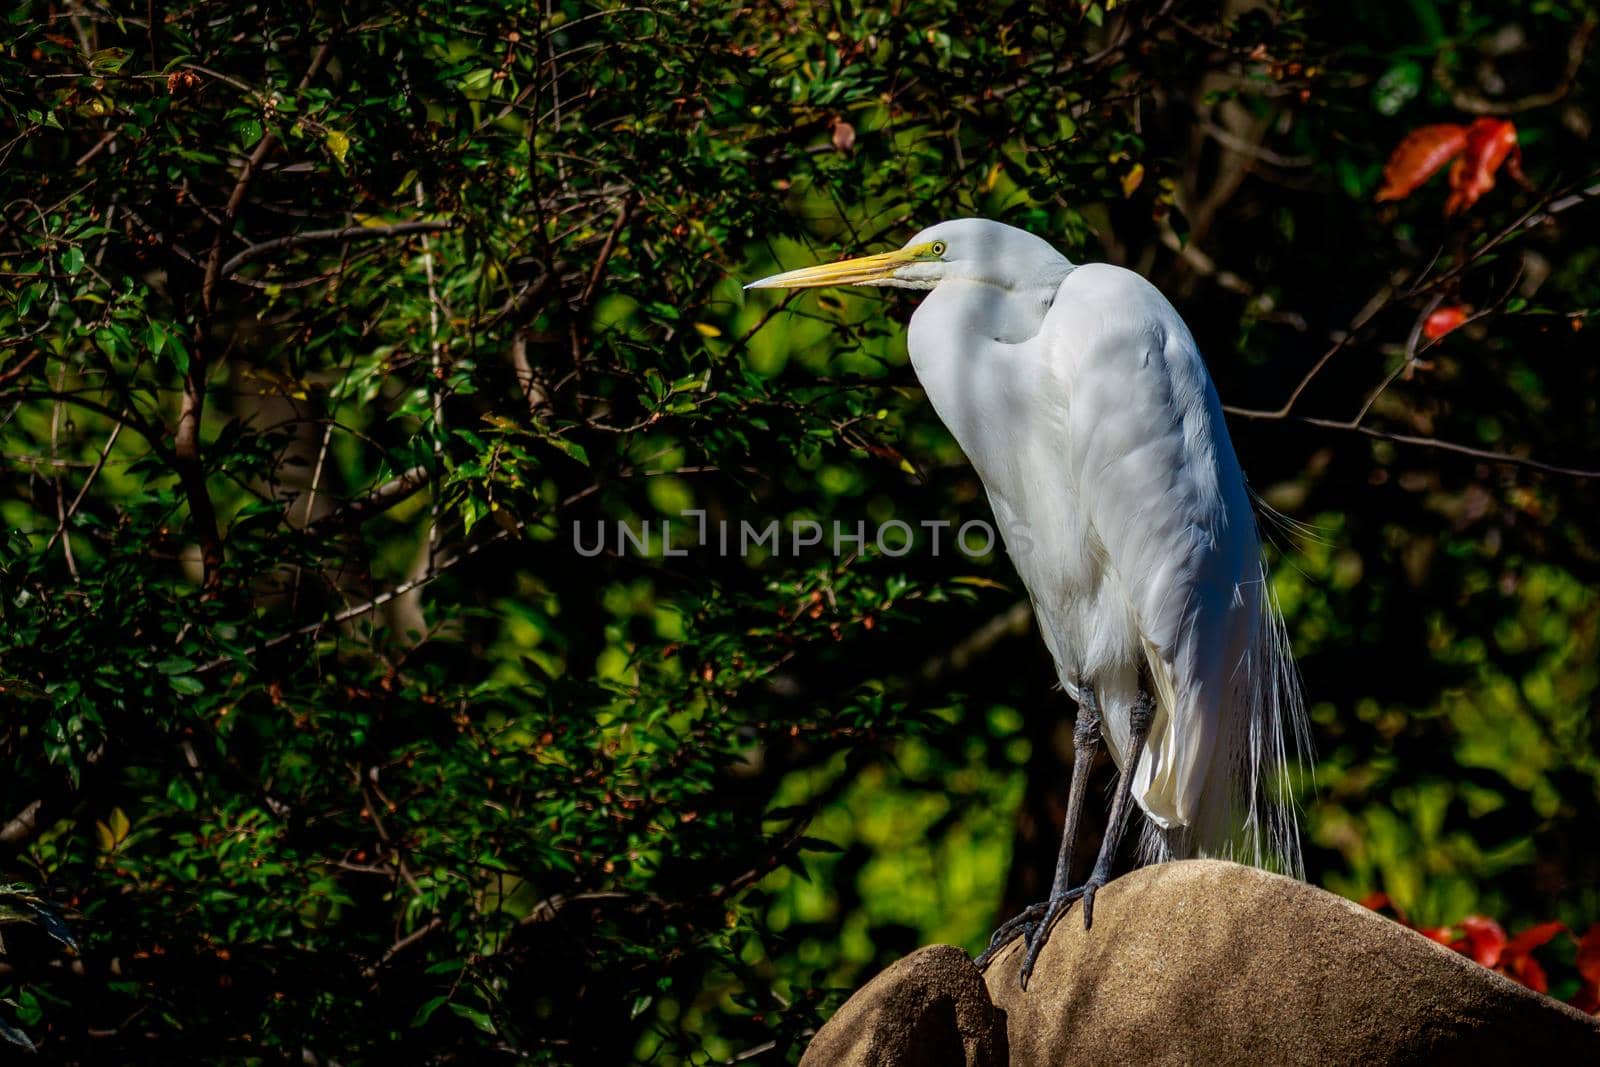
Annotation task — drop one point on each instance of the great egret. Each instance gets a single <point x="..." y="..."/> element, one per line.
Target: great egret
<point x="1079" y="396"/>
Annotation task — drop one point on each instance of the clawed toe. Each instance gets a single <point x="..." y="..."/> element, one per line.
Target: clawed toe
<point x="1038" y="935"/>
<point x="1034" y="923"/>
<point x="1088" y="903"/>
<point x="1019" y="925"/>
<point x="1086" y="893"/>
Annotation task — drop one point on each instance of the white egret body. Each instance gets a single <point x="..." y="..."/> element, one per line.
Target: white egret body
<point x="1080" y="397"/>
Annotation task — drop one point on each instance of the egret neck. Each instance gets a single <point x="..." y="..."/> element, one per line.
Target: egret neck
<point x="965" y="342"/>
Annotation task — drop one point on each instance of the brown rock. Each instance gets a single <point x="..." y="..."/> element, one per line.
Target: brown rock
<point x="1214" y="963"/>
<point x="929" y="1010"/>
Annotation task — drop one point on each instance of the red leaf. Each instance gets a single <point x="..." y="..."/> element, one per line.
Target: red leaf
<point x="1531" y="938"/>
<point x="1485" y="940"/>
<point x="1517" y="962"/>
<point x="1444" y="935"/>
<point x="1588" y="997"/>
<point x="1443" y="320"/>
<point x="1416" y="159"/>
<point x="1376" y="900"/>
<point x="1490" y="143"/>
<point x="1528" y="972"/>
<point x="1589" y="957"/>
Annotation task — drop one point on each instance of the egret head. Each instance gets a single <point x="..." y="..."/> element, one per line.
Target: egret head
<point x="973" y="250"/>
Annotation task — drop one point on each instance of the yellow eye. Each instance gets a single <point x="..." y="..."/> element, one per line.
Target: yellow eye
<point x="937" y="248"/>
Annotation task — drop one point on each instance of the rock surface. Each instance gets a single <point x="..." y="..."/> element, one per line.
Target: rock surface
<point x="930" y="1008"/>
<point x="1214" y="963"/>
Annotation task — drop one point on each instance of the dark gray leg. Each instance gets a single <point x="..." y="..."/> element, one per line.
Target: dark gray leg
<point x="1037" y="920"/>
<point x="1085" y="746"/>
<point x="1139" y="720"/>
<point x="1085" y="743"/>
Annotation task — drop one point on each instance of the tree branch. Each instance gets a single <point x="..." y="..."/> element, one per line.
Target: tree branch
<point x="1471" y="102"/>
<point x="374" y="501"/>
<point x="1352" y="426"/>
<point x="186" y="440"/>
<point x="343" y="233"/>
<point x="623" y="213"/>
<point x="23" y="825"/>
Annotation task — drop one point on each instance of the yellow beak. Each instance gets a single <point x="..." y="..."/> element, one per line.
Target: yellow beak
<point x="863" y="270"/>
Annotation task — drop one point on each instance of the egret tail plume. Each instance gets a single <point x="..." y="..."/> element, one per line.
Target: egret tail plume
<point x="1248" y="811"/>
<point x="1295" y="530"/>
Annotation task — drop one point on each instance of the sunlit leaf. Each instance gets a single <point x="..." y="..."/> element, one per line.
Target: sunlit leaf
<point x="1490" y="143"/>
<point x="1419" y="156"/>
<point x="1442" y="320"/>
<point x="338" y="143"/>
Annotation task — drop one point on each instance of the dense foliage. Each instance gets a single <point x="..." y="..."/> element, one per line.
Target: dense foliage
<point x="334" y="336"/>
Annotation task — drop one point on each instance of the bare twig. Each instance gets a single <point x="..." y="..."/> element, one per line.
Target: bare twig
<point x="16" y="370"/>
<point x="316" y="475"/>
<point x="99" y="146"/>
<point x="1552" y="204"/>
<point x="435" y="383"/>
<point x="520" y="302"/>
<point x="751" y="1053"/>
<point x="83" y="490"/>
<point x="60" y="491"/>
<point x="406" y="942"/>
<point x="1378" y="302"/>
<point x="376" y="500"/>
<point x="342" y="233"/>
<point x="1446" y="446"/>
<point x="1475" y="104"/>
<point x="623" y="213"/>
<point x="1254" y="149"/>
<point x="1013" y="622"/>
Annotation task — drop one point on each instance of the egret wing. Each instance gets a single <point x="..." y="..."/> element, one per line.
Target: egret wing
<point x="1165" y="503"/>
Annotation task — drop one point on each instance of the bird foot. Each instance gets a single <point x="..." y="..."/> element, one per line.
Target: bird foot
<point x="1019" y="925"/>
<point x="1034" y="923"/>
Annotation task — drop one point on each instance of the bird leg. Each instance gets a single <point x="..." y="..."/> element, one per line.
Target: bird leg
<point x="1140" y="717"/>
<point x="1085" y="743"/>
<point x="1036" y="922"/>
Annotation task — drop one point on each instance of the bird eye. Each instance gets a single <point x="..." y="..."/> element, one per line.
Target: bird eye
<point x="937" y="248"/>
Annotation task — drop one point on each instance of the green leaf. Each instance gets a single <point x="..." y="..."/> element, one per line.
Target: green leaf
<point x="1398" y="86"/>
<point x="477" y="1018"/>
<point x="186" y="684"/>
<point x="108" y="60"/>
<point x="425" y="1012"/>
<point x="181" y="792"/>
<point x="337" y="143"/>
<point x="571" y="448"/>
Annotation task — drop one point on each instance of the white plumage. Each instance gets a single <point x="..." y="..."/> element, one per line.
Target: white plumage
<point x="1081" y="399"/>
